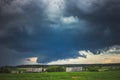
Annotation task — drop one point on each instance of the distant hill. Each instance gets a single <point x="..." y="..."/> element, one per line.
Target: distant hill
<point x="69" y="65"/>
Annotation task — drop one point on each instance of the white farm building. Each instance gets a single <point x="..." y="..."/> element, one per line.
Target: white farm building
<point x="73" y="69"/>
<point x="34" y="69"/>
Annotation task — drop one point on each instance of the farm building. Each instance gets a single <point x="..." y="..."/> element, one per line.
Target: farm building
<point x="73" y="69"/>
<point x="34" y="69"/>
<point x="16" y="72"/>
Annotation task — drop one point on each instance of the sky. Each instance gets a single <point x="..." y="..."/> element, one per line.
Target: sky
<point x="59" y="31"/>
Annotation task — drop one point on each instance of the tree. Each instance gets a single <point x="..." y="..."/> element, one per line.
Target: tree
<point x="93" y="68"/>
<point x="5" y="69"/>
<point x="55" y="69"/>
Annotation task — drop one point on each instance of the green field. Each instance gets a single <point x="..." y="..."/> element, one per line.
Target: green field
<point x="110" y="75"/>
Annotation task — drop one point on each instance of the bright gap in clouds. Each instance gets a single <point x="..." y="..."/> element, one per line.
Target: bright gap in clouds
<point x="55" y="8"/>
<point x="87" y="57"/>
<point x="69" y="20"/>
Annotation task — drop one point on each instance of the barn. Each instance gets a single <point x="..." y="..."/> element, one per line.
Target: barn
<point x="34" y="69"/>
<point x="73" y="69"/>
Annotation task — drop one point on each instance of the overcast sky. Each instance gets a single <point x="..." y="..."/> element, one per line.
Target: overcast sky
<point x="51" y="31"/>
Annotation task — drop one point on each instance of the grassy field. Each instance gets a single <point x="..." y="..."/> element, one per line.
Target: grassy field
<point x="111" y="75"/>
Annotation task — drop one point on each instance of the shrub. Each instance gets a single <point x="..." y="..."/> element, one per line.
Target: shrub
<point x="93" y="68"/>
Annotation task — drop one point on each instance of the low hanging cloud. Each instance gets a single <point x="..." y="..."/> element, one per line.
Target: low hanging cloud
<point x="87" y="57"/>
<point x="30" y="60"/>
<point x="69" y="20"/>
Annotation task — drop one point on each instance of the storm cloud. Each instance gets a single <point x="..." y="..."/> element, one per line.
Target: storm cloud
<point x="57" y="29"/>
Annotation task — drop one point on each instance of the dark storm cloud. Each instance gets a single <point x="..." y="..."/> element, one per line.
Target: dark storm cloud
<point x="26" y="28"/>
<point x="9" y="57"/>
<point x="103" y="18"/>
<point x="21" y="23"/>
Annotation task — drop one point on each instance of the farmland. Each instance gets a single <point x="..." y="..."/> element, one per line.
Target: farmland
<point x="106" y="75"/>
